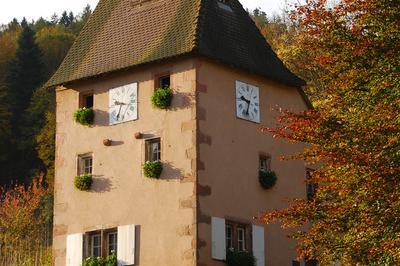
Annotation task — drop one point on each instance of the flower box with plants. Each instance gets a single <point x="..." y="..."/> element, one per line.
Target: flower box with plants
<point x="110" y="260"/>
<point x="162" y="97"/>
<point x="267" y="179"/>
<point x="84" y="116"/>
<point x="83" y="182"/>
<point x="239" y="258"/>
<point x="152" y="169"/>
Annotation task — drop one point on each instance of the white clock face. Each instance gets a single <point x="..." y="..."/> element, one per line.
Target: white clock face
<point x="123" y="104"/>
<point x="247" y="102"/>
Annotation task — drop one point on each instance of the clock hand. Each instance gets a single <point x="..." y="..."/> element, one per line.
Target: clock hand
<point x="120" y="106"/>
<point x="244" y="99"/>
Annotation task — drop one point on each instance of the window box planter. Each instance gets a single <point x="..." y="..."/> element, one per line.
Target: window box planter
<point x="267" y="179"/>
<point x="84" y="116"/>
<point x="152" y="169"/>
<point x="83" y="182"/>
<point x="110" y="260"/>
<point x="239" y="258"/>
<point x="162" y="98"/>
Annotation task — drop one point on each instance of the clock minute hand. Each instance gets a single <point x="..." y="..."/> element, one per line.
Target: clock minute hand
<point x="248" y="104"/>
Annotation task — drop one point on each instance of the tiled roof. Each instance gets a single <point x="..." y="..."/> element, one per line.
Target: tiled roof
<point x="126" y="33"/>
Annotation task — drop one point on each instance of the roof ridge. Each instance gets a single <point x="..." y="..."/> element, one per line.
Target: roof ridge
<point x="198" y="27"/>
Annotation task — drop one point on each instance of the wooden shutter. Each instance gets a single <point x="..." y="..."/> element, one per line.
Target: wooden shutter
<point x="218" y="238"/>
<point x="258" y="245"/>
<point x="126" y="245"/>
<point x="74" y="249"/>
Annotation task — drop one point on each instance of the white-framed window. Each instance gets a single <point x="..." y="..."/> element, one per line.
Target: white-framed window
<point x="112" y="242"/>
<point x="85" y="164"/>
<point x="153" y="150"/>
<point x="229" y="236"/>
<point x="241" y="238"/>
<point x="95" y="245"/>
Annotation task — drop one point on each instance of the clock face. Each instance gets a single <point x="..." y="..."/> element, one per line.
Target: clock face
<point x="247" y="102"/>
<point x="123" y="104"/>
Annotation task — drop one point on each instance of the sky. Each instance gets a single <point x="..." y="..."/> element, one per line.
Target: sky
<point x="33" y="9"/>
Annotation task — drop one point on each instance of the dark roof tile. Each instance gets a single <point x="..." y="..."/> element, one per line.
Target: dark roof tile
<point x="126" y="33"/>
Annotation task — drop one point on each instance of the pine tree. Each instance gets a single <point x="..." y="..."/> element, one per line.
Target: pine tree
<point x="25" y="72"/>
<point x="24" y="76"/>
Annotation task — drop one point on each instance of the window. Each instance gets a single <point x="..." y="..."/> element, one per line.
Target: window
<point x="241" y="238"/>
<point x="95" y="245"/>
<point x="264" y="163"/>
<point x="237" y="236"/>
<point x="100" y="243"/>
<point x="164" y="81"/>
<point x="86" y="100"/>
<point x="85" y="164"/>
<point x="112" y="242"/>
<point x="311" y="186"/>
<point x="153" y="150"/>
<point x="229" y="236"/>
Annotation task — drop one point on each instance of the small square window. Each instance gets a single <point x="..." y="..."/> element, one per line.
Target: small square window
<point x="165" y="81"/>
<point x="241" y="237"/>
<point x="311" y="186"/>
<point x="264" y="163"/>
<point x="229" y="236"/>
<point x="153" y="150"/>
<point x="85" y="164"/>
<point x="86" y="100"/>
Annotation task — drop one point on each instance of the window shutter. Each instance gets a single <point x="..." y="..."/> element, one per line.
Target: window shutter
<point x="258" y="245"/>
<point x="126" y="245"/>
<point x="74" y="249"/>
<point x="218" y="238"/>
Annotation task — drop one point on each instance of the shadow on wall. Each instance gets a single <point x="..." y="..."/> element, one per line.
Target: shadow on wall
<point x="101" y="118"/>
<point x="170" y="172"/>
<point x="101" y="184"/>
<point x="137" y="244"/>
<point x="182" y="100"/>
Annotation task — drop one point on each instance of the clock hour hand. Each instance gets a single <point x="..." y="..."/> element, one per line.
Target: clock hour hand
<point x="244" y="99"/>
<point x="248" y="104"/>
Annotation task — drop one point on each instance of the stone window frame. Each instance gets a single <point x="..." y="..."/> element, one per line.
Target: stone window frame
<point x="148" y="151"/>
<point x="235" y="225"/>
<point x="81" y="164"/>
<point x="104" y="242"/>
<point x="158" y="79"/>
<point x="83" y="99"/>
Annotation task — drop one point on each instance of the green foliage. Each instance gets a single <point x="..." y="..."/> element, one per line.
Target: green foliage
<point x="267" y="179"/>
<point x="83" y="182"/>
<point x="45" y="146"/>
<point x="84" y="116"/>
<point x="25" y="72"/>
<point x="240" y="258"/>
<point x="152" y="169"/>
<point x="162" y="98"/>
<point x="110" y="260"/>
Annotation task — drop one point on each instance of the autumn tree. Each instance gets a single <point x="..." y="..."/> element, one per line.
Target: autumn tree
<point x="24" y="223"/>
<point x="353" y="134"/>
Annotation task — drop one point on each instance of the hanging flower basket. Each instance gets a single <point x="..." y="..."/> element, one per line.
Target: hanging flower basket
<point x="152" y="169"/>
<point x="83" y="182"/>
<point x="267" y="179"/>
<point x="240" y="258"/>
<point x="162" y="98"/>
<point x="84" y="116"/>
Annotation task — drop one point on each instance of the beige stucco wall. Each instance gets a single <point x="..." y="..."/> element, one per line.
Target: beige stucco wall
<point x="229" y="149"/>
<point x="163" y="209"/>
